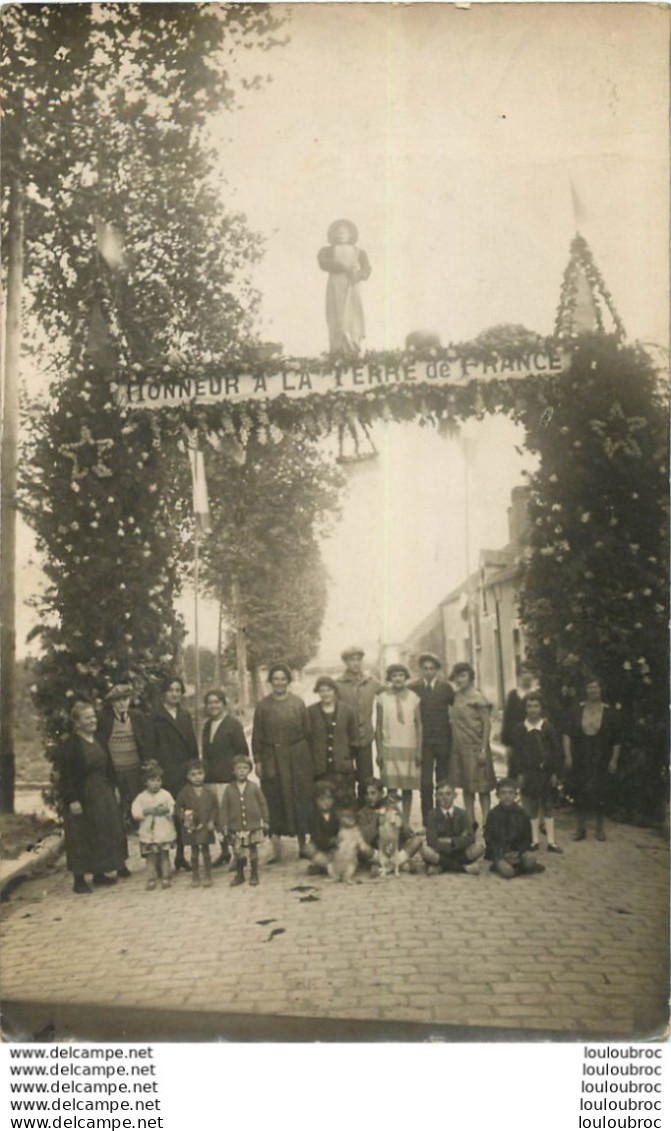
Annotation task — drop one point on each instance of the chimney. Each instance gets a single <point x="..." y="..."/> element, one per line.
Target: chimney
<point x="518" y="518"/>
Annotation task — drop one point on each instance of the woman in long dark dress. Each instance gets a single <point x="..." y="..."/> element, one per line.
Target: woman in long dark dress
<point x="95" y="842"/>
<point x="280" y="745"/>
<point x="172" y="743"/>
<point x="591" y="751"/>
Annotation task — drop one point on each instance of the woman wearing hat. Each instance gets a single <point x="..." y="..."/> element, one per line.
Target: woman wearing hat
<point x="399" y="736"/>
<point x="280" y="746"/>
<point x="95" y="842"/>
<point x="332" y="740"/>
<point x="471" y="765"/>
<point x="347" y="265"/>
<point x="173" y="743"/>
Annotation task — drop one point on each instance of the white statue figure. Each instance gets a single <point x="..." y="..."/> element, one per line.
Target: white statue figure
<point x="347" y="265"/>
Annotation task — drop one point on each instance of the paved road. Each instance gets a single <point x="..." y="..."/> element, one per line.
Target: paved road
<point x="580" y="950"/>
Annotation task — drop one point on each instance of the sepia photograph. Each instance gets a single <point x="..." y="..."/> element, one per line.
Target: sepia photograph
<point x="334" y="562"/>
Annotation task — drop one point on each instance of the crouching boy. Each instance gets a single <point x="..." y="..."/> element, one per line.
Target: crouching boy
<point x="450" y="841"/>
<point x="324" y="828"/>
<point x="508" y="835"/>
<point x="370" y="816"/>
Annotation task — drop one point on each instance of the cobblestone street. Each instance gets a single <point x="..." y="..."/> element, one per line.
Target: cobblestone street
<point x="580" y="950"/>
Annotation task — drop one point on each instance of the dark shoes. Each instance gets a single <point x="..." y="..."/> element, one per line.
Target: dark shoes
<point x="580" y="835"/>
<point x="181" y="862"/>
<point x="123" y="873"/>
<point x="555" y="848"/>
<point x="81" y="887"/>
<point x="225" y="858"/>
<point x="101" y="881"/>
<point x="239" y="878"/>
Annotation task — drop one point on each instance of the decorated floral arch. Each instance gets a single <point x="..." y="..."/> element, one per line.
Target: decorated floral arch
<point x="106" y="487"/>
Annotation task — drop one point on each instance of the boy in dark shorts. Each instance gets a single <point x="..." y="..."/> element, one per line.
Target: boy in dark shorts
<point x="450" y="840"/>
<point x="324" y="829"/>
<point x="508" y="835"/>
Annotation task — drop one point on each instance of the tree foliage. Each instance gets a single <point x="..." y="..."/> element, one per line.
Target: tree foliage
<point x="595" y="595"/>
<point x="130" y="257"/>
<point x="267" y="516"/>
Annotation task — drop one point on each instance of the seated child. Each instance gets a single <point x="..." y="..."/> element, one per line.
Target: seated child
<point x="508" y="835"/>
<point x="450" y="840"/>
<point x="197" y="810"/>
<point x="535" y="763"/>
<point x="324" y="829"/>
<point x="244" y="819"/>
<point x="370" y="815"/>
<point x="153" y="810"/>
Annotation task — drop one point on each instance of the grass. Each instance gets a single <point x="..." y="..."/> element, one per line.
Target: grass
<point x="20" y="832"/>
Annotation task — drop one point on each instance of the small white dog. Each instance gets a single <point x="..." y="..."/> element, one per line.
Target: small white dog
<point x="389" y="840"/>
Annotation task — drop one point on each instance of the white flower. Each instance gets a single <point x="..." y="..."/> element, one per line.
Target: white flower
<point x="585" y="516"/>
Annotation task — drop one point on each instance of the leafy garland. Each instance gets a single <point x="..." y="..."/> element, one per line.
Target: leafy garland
<point x="108" y="493"/>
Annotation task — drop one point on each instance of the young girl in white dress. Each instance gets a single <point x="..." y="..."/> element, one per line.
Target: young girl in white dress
<point x="153" y="809"/>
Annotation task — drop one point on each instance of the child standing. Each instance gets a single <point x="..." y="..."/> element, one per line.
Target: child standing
<point x="153" y="809"/>
<point x="324" y="829"/>
<point x="535" y="763"/>
<point x="450" y="840"/>
<point x="508" y="835"/>
<point x="244" y="819"/>
<point x="197" y="814"/>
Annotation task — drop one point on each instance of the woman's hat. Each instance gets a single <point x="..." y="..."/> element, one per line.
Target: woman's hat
<point x="397" y="668"/>
<point x="326" y="681"/>
<point x="430" y="657"/>
<point x="280" y="668"/>
<point x="333" y="228"/>
<point x="119" y="691"/>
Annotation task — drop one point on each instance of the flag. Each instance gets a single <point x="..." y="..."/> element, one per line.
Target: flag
<point x="201" y="506"/>
<point x="109" y="242"/>
<point x="100" y="347"/>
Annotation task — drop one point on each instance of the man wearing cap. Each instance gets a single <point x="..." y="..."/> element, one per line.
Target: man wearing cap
<point x="122" y="732"/>
<point x="436" y="697"/>
<point x="358" y="690"/>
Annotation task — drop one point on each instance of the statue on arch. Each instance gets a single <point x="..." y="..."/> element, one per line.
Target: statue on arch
<point x="347" y="266"/>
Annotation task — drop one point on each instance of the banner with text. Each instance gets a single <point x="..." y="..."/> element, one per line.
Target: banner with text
<point x="295" y="382"/>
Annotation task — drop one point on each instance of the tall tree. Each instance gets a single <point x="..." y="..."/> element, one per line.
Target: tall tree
<point x="262" y="558"/>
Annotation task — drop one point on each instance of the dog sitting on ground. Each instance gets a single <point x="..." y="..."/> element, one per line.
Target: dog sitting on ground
<point x="389" y="839"/>
<point x="350" y="842"/>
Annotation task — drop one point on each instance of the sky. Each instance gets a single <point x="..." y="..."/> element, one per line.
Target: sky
<point x="453" y="138"/>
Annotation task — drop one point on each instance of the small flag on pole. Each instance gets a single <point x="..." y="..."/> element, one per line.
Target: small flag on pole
<point x="579" y="213"/>
<point x="201" y="506"/>
<point x="100" y="346"/>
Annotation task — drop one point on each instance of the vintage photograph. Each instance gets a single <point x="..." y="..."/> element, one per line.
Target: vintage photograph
<point x="334" y="522"/>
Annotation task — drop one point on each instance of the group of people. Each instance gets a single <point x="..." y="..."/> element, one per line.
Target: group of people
<point x="315" y="765"/>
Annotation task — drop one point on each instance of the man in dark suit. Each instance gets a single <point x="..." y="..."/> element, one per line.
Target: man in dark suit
<point x="436" y="697"/>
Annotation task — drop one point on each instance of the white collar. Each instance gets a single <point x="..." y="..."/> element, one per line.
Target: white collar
<point x="534" y="726"/>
